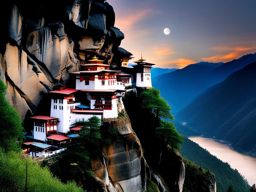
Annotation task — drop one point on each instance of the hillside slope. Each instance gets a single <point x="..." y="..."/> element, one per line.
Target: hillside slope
<point x="225" y="175"/>
<point x="156" y="72"/>
<point x="227" y="110"/>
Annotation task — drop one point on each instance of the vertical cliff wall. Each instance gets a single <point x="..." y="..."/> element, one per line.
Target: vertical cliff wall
<point x="43" y="41"/>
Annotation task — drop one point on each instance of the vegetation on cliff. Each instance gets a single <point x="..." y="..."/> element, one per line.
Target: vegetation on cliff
<point x="17" y="172"/>
<point x="15" y="169"/>
<point x="165" y="131"/>
<point x="75" y="163"/>
<point x="198" y="179"/>
<point x="10" y="124"/>
<point x="151" y="119"/>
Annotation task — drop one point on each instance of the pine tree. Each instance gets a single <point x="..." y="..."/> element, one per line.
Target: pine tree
<point x="164" y="129"/>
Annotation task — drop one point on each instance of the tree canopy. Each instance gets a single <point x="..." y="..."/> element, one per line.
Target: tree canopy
<point x="168" y="134"/>
<point x="164" y="128"/>
<point x="152" y="100"/>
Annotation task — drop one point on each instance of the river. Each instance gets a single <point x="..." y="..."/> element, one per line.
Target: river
<point x="246" y="165"/>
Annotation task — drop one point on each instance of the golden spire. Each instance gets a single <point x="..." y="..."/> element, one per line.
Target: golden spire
<point x="95" y="59"/>
<point x="141" y="60"/>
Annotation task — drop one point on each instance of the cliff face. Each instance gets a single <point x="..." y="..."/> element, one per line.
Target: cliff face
<point x="44" y="41"/>
<point x="123" y="165"/>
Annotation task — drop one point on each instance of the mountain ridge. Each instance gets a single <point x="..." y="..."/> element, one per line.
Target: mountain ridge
<point x="226" y="110"/>
<point x="180" y="87"/>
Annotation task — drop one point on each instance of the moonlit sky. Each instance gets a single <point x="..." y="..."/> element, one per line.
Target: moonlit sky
<point x="201" y="30"/>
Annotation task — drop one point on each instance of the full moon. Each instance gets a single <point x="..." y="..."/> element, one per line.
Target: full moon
<point x="167" y="31"/>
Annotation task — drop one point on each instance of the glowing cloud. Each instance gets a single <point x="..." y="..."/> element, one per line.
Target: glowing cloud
<point x="230" y="53"/>
<point x="162" y="51"/>
<point x="178" y="63"/>
<point x="128" y="22"/>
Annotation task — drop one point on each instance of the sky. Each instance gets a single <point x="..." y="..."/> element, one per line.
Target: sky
<point x="201" y="30"/>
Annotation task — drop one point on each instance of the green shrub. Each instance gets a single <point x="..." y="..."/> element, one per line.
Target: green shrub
<point x="13" y="176"/>
<point x="10" y="124"/>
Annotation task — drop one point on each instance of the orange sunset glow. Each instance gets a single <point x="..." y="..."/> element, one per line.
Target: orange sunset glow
<point x="198" y="33"/>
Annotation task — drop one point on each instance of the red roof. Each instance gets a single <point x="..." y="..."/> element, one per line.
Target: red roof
<point x="95" y="71"/>
<point x="95" y="64"/>
<point x="41" y="117"/>
<point x="99" y="90"/>
<point x="90" y="111"/>
<point x="124" y="74"/>
<point x="28" y="143"/>
<point x="58" y="137"/>
<point x="78" y="128"/>
<point x="66" y="91"/>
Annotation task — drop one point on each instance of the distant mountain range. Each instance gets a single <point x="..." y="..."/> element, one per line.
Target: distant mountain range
<point x="215" y="99"/>
<point x="227" y="110"/>
<point x="182" y="86"/>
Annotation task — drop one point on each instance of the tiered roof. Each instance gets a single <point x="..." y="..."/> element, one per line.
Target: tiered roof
<point x="141" y="61"/>
<point x="58" y="137"/>
<point x="66" y="91"/>
<point x="44" y="118"/>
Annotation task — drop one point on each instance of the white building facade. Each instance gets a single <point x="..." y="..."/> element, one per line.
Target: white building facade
<point x="43" y="126"/>
<point x="143" y="74"/>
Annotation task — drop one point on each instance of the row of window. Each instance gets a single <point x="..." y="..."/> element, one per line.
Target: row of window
<point x="107" y="77"/>
<point x="39" y="129"/>
<point x="56" y="107"/>
<point x="61" y="107"/>
<point x="56" y="100"/>
<point x="110" y="82"/>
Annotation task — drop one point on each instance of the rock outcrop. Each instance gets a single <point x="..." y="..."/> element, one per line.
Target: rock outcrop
<point x="123" y="166"/>
<point x="44" y="41"/>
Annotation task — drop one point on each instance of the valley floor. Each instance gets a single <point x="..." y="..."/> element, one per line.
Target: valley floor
<point x="245" y="164"/>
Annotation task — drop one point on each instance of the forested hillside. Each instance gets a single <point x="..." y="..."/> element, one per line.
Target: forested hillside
<point x="227" y="110"/>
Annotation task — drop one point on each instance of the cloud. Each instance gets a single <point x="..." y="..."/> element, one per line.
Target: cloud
<point x="128" y="22"/>
<point x="228" y="53"/>
<point x="162" y="51"/>
<point x="178" y="63"/>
